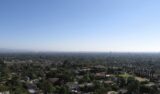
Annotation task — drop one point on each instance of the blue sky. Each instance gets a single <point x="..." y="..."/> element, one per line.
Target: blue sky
<point x="80" y="25"/>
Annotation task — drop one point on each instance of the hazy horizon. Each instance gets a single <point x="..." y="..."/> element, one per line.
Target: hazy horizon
<point x="80" y="25"/>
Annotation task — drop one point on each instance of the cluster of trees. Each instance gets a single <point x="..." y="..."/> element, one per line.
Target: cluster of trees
<point x="66" y="65"/>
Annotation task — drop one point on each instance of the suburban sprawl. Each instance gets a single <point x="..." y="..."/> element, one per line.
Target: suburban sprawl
<point x="80" y="73"/>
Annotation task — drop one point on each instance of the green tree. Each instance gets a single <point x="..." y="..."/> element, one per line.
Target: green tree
<point x="133" y="85"/>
